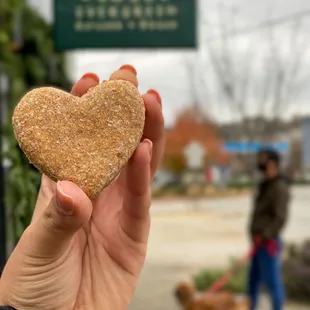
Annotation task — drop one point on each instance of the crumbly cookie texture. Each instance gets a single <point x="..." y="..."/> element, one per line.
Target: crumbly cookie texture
<point x="85" y="140"/>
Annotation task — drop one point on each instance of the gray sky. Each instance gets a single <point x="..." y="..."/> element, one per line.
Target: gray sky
<point x="165" y="70"/>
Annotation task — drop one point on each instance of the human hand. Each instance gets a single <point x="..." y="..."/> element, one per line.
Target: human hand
<point x="272" y="247"/>
<point x="81" y="254"/>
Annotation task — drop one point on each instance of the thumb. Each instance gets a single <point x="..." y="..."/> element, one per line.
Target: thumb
<point x="68" y="211"/>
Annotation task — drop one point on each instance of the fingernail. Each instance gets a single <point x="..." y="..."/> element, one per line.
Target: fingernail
<point x="130" y="68"/>
<point x="156" y="94"/>
<point x="149" y="145"/>
<point x="66" y="204"/>
<point x="91" y="76"/>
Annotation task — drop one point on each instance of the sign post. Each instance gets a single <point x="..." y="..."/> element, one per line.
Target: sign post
<point x="194" y="177"/>
<point x="194" y="153"/>
<point x="124" y="24"/>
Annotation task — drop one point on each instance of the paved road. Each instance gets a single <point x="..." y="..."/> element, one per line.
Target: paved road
<point x="189" y="235"/>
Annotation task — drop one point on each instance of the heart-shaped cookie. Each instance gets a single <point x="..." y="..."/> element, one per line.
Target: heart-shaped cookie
<point x="85" y="140"/>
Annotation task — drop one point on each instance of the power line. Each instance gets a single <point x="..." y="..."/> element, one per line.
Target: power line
<point x="266" y="24"/>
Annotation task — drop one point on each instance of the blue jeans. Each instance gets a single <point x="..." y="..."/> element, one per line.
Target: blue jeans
<point x="266" y="270"/>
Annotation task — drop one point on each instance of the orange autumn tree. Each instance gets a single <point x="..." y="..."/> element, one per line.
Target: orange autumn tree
<point x="189" y="127"/>
<point x="175" y="163"/>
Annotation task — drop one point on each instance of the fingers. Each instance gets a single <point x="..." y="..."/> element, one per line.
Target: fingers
<point x="134" y="217"/>
<point x="87" y="81"/>
<point x="126" y="72"/>
<point x="154" y="128"/>
<point x="68" y="211"/>
<point x="154" y="124"/>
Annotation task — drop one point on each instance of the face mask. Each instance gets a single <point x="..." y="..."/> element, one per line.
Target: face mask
<point x="261" y="166"/>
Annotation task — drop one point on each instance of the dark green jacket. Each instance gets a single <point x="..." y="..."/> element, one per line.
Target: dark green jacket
<point x="270" y="211"/>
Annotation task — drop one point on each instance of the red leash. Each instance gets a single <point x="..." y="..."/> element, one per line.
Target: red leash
<point x="272" y="248"/>
<point x="226" y="277"/>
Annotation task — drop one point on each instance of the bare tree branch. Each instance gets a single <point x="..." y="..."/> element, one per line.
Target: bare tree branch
<point x="298" y="52"/>
<point x="274" y="87"/>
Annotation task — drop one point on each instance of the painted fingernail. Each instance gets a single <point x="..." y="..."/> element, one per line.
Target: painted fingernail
<point x="155" y="93"/>
<point x="149" y="145"/>
<point x="130" y="68"/>
<point x="66" y="204"/>
<point x="91" y="76"/>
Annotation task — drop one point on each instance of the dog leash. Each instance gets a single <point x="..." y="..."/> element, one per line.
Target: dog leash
<point x="218" y="284"/>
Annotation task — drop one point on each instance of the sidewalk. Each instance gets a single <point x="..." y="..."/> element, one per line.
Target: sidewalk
<point x="187" y="236"/>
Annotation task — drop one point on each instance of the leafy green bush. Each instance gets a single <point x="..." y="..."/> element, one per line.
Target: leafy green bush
<point x="26" y="66"/>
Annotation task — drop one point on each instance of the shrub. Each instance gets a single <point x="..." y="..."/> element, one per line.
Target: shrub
<point x="32" y="64"/>
<point x="171" y="189"/>
<point x="174" y="163"/>
<point x="296" y="275"/>
<point x="296" y="272"/>
<point x="240" y="185"/>
<point x="207" y="277"/>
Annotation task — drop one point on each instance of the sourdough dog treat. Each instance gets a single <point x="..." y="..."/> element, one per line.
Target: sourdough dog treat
<point x="85" y="140"/>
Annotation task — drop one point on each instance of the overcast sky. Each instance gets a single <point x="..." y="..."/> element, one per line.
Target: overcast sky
<point x="165" y="70"/>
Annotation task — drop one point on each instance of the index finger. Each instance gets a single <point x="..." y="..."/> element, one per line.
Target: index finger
<point x="154" y="120"/>
<point x="86" y="82"/>
<point x="126" y="72"/>
<point x="154" y="128"/>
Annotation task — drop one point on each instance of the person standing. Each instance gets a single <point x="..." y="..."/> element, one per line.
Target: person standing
<point x="268" y="219"/>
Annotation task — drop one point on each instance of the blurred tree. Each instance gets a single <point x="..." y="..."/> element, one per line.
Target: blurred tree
<point x="262" y="74"/>
<point x="28" y="60"/>
<point x="190" y="127"/>
<point x="174" y="163"/>
<point x="259" y="73"/>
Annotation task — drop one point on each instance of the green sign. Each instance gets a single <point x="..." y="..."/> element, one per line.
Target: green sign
<point x="124" y="24"/>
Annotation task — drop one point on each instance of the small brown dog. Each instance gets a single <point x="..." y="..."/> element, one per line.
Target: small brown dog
<point x="190" y="299"/>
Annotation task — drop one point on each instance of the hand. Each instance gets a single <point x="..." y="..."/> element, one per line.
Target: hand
<point x="81" y="254"/>
<point x="272" y="247"/>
